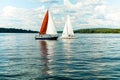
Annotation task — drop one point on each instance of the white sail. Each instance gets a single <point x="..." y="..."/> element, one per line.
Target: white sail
<point x="68" y="31"/>
<point x="51" y="29"/>
<point x="69" y="25"/>
<point x="65" y="31"/>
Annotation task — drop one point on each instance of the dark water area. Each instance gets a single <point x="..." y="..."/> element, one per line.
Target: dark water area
<point x="89" y="57"/>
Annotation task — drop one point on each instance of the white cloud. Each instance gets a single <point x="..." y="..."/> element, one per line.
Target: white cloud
<point x="84" y="13"/>
<point x="93" y="13"/>
<point x="21" y="18"/>
<point x="69" y="5"/>
<point x="113" y="17"/>
<point x="101" y="9"/>
<point x="9" y="11"/>
<point x="44" y="1"/>
<point x="49" y="1"/>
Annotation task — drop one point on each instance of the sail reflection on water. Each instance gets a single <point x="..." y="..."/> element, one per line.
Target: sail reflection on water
<point x="68" y="56"/>
<point x="67" y="46"/>
<point x="47" y="52"/>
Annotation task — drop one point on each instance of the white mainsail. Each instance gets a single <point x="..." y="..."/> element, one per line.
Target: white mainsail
<point x="51" y="29"/>
<point x="68" y="31"/>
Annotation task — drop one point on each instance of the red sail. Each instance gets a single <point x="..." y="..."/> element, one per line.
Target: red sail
<point x="44" y="24"/>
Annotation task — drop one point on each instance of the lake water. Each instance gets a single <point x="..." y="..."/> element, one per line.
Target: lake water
<point x="90" y="57"/>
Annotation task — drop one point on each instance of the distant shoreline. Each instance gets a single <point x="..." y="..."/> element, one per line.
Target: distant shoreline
<point x="13" y="30"/>
<point x="90" y="30"/>
<point x="96" y="30"/>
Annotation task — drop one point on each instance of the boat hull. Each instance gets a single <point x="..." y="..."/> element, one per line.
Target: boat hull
<point x="44" y="37"/>
<point x="71" y="37"/>
<point x="52" y="38"/>
<point x="68" y="38"/>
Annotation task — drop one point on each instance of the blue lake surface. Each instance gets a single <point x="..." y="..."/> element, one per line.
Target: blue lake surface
<point x="90" y="57"/>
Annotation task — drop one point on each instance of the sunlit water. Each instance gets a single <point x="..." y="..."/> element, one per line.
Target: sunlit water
<point x="89" y="57"/>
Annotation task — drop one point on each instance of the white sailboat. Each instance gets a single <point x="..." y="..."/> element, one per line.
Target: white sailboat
<point x="68" y="30"/>
<point x="48" y="30"/>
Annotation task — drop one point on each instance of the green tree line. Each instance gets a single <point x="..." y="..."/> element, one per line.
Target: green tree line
<point x="98" y="30"/>
<point x="13" y="30"/>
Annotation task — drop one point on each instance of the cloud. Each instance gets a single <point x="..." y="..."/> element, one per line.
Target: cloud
<point x="83" y="13"/>
<point x="9" y="11"/>
<point x="69" y="5"/>
<point x="100" y="9"/>
<point x="21" y="18"/>
<point x="92" y="13"/>
<point x="49" y="1"/>
<point x="113" y="18"/>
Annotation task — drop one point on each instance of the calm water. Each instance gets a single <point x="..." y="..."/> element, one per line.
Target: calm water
<point x="90" y="57"/>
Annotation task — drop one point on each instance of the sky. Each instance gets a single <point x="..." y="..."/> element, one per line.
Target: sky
<point x="28" y="14"/>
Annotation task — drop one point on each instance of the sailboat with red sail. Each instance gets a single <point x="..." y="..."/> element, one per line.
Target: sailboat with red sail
<point x="48" y="30"/>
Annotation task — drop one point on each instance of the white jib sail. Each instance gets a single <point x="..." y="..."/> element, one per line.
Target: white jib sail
<point x="65" y="31"/>
<point x="51" y="29"/>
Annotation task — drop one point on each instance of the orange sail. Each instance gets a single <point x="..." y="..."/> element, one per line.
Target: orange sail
<point x="44" y="24"/>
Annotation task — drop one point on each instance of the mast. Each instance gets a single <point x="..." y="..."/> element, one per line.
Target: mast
<point x="44" y="24"/>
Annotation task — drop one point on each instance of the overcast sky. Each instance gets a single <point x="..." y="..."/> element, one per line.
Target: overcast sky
<point x="28" y="14"/>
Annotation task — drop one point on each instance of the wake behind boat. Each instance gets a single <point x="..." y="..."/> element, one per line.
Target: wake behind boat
<point x="48" y="30"/>
<point x="68" y="31"/>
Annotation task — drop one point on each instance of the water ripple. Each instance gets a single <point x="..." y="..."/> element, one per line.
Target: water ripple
<point x="90" y="57"/>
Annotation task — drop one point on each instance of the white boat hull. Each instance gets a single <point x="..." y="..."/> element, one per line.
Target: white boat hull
<point x="68" y="37"/>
